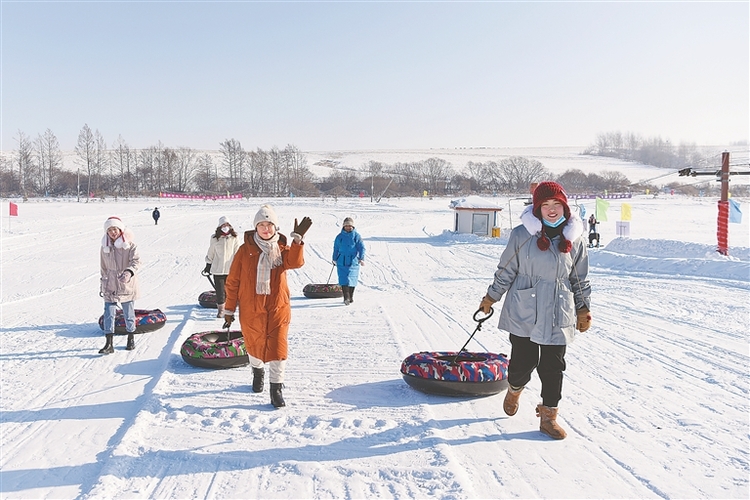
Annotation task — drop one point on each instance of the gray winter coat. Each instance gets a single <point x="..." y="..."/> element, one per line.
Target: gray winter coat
<point x="544" y="287"/>
<point x="115" y="259"/>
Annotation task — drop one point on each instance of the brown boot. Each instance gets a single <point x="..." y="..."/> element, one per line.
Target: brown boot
<point x="220" y="310"/>
<point x="510" y="405"/>
<point x="548" y="424"/>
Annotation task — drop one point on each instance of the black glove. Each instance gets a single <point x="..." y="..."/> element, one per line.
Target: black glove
<point x="207" y="269"/>
<point x="228" y="320"/>
<point x="303" y="226"/>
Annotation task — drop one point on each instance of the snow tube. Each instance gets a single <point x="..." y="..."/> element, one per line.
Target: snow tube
<point x="215" y="349"/>
<point x="456" y="373"/>
<point x="208" y="299"/>
<point x="323" y="291"/>
<point x="145" y="321"/>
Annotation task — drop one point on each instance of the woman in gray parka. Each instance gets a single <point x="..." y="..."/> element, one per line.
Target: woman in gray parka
<point x="119" y="261"/>
<point x="544" y="272"/>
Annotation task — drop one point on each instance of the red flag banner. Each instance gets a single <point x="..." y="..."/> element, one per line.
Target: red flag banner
<point x="13" y="209"/>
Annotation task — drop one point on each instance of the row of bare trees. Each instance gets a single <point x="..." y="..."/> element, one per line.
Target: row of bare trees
<point x="36" y="168"/>
<point x="437" y="177"/>
<point x="649" y="151"/>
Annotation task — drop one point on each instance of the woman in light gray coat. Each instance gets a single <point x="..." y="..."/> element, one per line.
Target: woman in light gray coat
<point x="543" y="273"/>
<point x="119" y="262"/>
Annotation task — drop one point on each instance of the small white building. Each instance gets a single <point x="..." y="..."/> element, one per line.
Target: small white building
<point x="476" y="215"/>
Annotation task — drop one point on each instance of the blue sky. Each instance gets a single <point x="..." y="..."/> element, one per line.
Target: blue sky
<point x="375" y="75"/>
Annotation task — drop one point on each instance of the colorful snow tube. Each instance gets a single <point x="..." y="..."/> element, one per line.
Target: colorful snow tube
<point x="322" y="291"/>
<point x="456" y="373"/>
<point x="208" y="299"/>
<point x="146" y="320"/>
<point x="215" y="349"/>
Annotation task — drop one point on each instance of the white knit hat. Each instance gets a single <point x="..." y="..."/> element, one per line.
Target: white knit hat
<point x="114" y="222"/>
<point x="266" y="214"/>
<point x="125" y="240"/>
<point x="348" y="222"/>
<point x="224" y="220"/>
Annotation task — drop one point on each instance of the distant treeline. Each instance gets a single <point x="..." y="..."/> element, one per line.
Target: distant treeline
<point x="35" y="168"/>
<point x="653" y="151"/>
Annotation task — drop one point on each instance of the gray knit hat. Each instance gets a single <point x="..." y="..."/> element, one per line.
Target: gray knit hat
<point x="348" y="222"/>
<point x="266" y="214"/>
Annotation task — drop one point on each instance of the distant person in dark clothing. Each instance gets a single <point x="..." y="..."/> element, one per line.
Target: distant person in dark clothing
<point x="155" y="214"/>
<point x="592" y="224"/>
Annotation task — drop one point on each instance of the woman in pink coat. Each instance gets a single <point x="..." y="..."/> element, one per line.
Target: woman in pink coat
<point x="119" y="263"/>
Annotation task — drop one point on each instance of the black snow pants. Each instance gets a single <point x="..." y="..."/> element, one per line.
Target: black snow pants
<point x="549" y="361"/>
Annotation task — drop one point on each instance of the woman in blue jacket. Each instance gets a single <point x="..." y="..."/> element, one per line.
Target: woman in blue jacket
<point x="348" y="255"/>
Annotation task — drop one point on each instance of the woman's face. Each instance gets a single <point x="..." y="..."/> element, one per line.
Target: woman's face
<point x="114" y="232"/>
<point x="348" y="228"/>
<point x="552" y="210"/>
<point x="266" y="230"/>
<point x="225" y="228"/>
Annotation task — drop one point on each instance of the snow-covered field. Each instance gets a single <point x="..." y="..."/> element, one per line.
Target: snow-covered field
<point x="655" y="399"/>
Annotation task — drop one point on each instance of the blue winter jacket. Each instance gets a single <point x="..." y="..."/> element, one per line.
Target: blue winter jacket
<point x="348" y="250"/>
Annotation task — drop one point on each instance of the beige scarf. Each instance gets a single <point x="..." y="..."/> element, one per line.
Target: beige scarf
<point x="270" y="257"/>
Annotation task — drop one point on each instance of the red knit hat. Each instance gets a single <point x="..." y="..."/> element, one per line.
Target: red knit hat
<point x="550" y="190"/>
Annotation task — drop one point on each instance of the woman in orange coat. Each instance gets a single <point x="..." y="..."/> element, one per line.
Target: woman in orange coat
<point x="257" y="283"/>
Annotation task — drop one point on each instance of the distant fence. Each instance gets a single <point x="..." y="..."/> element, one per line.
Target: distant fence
<point x="184" y="196"/>
<point x="611" y="196"/>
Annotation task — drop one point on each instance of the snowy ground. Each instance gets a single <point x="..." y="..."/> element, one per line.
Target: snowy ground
<point x="655" y="397"/>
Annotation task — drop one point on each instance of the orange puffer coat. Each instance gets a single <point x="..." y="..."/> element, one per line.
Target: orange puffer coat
<point x="264" y="319"/>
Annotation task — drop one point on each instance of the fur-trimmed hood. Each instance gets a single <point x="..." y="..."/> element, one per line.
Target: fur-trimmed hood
<point x="572" y="231"/>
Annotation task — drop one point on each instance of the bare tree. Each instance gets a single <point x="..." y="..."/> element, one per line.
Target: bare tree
<point x="205" y="175"/>
<point x="615" y="182"/>
<point x="25" y="163"/>
<point x="495" y="178"/>
<point x="519" y="173"/>
<point x="277" y="169"/>
<point x="233" y="158"/>
<point x="6" y="175"/>
<point x="146" y="170"/>
<point x="574" y="181"/>
<point x="260" y="171"/>
<point x="124" y="163"/>
<point x="49" y="159"/>
<point x="86" y="151"/>
<point x="101" y="158"/>
<point x="185" y="168"/>
<point x="167" y="166"/>
<point x="479" y="172"/>
<point x="299" y="177"/>
<point x="436" y="171"/>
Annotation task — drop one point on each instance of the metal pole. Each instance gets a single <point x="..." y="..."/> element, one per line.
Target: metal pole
<point x="722" y="223"/>
<point x="725" y="176"/>
<point x="78" y="189"/>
